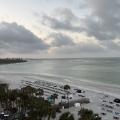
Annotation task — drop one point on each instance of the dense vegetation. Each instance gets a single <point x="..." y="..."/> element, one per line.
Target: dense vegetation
<point x="67" y="116"/>
<point x="29" y="101"/>
<point x="86" y="114"/>
<point x="11" y="60"/>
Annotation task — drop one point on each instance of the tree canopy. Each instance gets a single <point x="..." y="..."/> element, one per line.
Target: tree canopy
<point x="66" y="87"/>
<point x="67" y="116"/>
<point x="11" y="60"/>
<point x="26" y="100"/>
<point x="86" y="114"/>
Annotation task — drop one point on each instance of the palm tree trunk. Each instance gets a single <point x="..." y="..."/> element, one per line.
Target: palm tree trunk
<point x="49" y="117"/>
<point x="68" y="99"/>
<point x="68" y="103"/>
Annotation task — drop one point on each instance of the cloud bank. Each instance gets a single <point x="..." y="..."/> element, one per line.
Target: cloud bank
<point x="16" y="38"/>
<point x="102" y="22"/>
<point x="87" y="27"/>
<point x="59" y="39"/>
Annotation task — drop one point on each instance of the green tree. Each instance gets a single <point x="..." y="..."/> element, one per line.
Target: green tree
<point x="30" y="90"/>
<point x="54" y="96"/>
<point x="13" y="96"/>
<point x="51" y="113"/>
<point x="7" y="102"/>
<point x="2" y="93"/>
<point x="26" y="100"/>
<point x="86" y="114"/>
<point x="39" y="92"/>
<point x="67" y="87"/>
<point x="67" y="116"/>
<point x="19" y="104"/>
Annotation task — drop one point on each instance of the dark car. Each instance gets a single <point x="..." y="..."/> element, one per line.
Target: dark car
<point x="115" y="117"/>
<point x="117" y="105"/>
<point x="117" y="100"/>
<point x="63" y="97"/>
<point x="78" y="91"/>
<point x="102" y="113"/>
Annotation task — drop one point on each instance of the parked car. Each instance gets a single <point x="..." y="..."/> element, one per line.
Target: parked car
<point x="115" y="117"/>
<point x="103" y="104"/>
<point x="104" y="100"/>
<point x="117" y="105"/>
<point x="63" y="97"/>
<point x="102" y="113"/>
<point x="109" y="110"/>
<point x="78" y="91"/>
<point x="117" y="100"/>
<point x="104" y="109"/>
<point x="118" y="113"/>
<point x="110" y="102"/>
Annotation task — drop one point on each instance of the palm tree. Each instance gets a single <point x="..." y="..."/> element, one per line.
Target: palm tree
<point x="30" y="90"/>
<point x="67" y="87"/>
<point x="13" y="96"/>
<point x="51" y="113"/>
<point x="33" y="114"/>
<point x="14" y="110"/>
<point x="24" y="100"/>
<point x="40" y="108"/>
<point x="54" y="96"/>
<point x="39" y="92"/>
<point x="67" y="116"/>
<point x="19" y="104"/>
<point x="86" y="114"/>
<point x="2" y="93"/>
<point x="2" y="89"/>
<point x="7" y="102"/>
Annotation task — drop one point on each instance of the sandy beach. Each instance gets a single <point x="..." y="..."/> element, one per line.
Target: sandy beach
<point x="93" y="91"/>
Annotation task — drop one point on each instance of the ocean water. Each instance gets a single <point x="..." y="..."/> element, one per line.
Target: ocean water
<point x="101" y="70"/>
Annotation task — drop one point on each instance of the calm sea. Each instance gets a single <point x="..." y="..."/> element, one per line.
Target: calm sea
<point x="102" y="70"/>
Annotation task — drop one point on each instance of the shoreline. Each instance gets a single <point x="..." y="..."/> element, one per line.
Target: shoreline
<point x="93" y="91"/>
<point x="14" y="78"/>
<point x="66" y="78"/>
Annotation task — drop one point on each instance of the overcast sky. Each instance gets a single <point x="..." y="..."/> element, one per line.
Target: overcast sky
<point x="59" y="28"/>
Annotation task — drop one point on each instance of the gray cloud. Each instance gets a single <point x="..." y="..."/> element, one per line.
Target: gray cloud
<point x="102" y="21"/>
<point x="16" y="38"/>
<point x="81" y="47"/>
<point x="110" y="45"/>
<point x="64" y="20"/>
<point x="59" y="39"/>
<point x="83" y="6"/>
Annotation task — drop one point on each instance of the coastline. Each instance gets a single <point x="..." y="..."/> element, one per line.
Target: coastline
<point x="93" y="91"/>
<point x="14" y="80"/>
